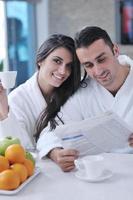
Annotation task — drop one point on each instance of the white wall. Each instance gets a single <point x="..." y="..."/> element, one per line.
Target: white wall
<point x="42" y="21"/>
<point x="70" y="16"/>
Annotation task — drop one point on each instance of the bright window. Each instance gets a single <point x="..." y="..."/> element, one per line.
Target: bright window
<point x="20" y="18"/>
<point x="2" y="36"/>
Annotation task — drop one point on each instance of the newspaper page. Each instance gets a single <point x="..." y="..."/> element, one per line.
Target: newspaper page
<point x="105" y="133"/>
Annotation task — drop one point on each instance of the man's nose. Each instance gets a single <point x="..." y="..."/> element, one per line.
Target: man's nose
<point x="97" y="70"/>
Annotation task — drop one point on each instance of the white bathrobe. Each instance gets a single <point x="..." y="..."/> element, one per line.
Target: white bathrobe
<point x="25" y="104"/>
<point x="91" y="101"/>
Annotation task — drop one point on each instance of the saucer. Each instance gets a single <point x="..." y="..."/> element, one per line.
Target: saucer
<point x="105" y="175"/>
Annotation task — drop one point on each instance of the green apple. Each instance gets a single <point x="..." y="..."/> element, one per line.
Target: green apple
<point x="30" y="157"/>
<point x="7" y="141"/>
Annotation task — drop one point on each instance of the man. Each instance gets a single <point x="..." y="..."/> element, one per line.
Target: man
<point x="108" y="88"/>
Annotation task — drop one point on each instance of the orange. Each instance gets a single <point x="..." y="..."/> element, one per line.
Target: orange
<point x="15" y="153"/>
<point x="21" y="170"/>
<point x="9" y="180"/>
<point x="4" y="163"/>
<point x="30" y="166"/>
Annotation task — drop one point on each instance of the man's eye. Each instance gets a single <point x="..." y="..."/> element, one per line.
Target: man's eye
<point x="101" y="60"/>
<point x="88" y="65"/>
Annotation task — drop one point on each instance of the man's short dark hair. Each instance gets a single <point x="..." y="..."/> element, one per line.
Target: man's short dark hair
<point x="90" y="34"/>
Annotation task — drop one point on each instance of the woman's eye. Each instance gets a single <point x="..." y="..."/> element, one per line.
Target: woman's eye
<point x="57" y="61"/>
<point x="69" y="65"/>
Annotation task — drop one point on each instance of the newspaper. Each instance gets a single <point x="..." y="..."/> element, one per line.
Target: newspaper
<point x="106" y="133"/>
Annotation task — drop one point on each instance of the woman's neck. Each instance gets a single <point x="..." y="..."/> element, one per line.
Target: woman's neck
<point x="46" y="89"/>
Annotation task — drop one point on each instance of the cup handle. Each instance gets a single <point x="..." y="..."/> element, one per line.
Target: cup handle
<point x="79" y="165"/>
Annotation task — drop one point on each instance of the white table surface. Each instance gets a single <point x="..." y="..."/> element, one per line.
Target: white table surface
<point x="53" y="184"/>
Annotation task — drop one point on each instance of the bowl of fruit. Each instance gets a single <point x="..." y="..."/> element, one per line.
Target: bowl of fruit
<point x="17" y="166"/>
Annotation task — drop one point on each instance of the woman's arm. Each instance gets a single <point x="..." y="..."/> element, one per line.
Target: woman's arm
<point x="13" y="118"/>
<point x="3" y="103"/>
<point x="50" y="145"/>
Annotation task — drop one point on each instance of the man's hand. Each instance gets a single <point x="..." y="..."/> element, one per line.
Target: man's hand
<point x="64" y="158"/>
<point x="130" y="140"/>
<point x="3" y="103"/>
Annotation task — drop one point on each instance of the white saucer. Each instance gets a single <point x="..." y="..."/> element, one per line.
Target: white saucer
<point x="82" y="176"/>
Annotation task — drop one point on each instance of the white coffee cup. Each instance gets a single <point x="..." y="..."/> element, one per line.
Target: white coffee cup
<point x="8" y="79"/>
<point x="94" y="166"/>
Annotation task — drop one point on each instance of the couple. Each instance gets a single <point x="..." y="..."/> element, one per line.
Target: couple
<point x="34" y="107"/>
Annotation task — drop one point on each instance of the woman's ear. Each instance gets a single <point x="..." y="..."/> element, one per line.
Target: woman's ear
<point x="116" y="50"/>
<point x="39" y="64"/>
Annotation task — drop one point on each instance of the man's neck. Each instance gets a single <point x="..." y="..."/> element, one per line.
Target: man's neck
<point x="121" y="79"/>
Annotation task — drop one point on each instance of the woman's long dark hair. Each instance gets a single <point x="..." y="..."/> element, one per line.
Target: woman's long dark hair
<point x="62" y="93"/>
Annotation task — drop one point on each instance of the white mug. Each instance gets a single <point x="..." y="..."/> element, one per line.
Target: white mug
<point x="8" y="79"/>
<point x="92" y="165"/>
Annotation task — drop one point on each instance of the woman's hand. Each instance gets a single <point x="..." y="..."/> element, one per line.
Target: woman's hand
<point x="130" y="140"/>
<point x="64" y="158"/>
<point x="3" y="103"/>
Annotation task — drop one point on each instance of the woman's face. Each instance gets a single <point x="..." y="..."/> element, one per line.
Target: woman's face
<point x="55" y="69"/>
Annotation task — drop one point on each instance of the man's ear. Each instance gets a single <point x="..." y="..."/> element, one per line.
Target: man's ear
<point x="116" y="50"/>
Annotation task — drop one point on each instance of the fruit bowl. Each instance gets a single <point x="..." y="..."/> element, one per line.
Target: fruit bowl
<point x="12" y="192"/>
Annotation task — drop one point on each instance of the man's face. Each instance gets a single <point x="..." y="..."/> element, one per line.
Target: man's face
<point x="100" y="62"/>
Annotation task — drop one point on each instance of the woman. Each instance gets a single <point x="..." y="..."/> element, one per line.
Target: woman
<point x="33" y="104"/>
